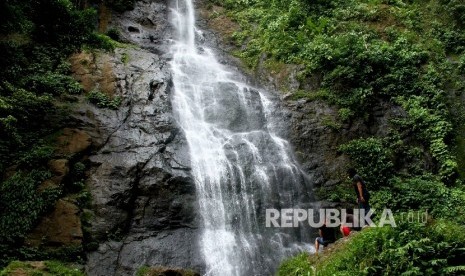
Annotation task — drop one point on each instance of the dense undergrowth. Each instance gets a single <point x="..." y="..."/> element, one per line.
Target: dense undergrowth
<point x="47" y="268"/>
<point x="436" y="248"/>
<point x="365" y="55"/>
<point x="36" y="90"/>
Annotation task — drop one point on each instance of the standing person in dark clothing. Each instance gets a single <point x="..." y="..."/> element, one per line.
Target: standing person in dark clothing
<point x="326" y="237"/>
<point x="363" y="196"/>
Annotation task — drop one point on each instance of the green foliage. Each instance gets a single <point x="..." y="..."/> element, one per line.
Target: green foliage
<point x="143" y="270"/>
<point x="36" y="157"/>
<point x="35" y="72"/>
<point x="114" y="34"/>
<point x="342" y="192"/>
<point x="433" y="127"/>
<point x="21" y="205"/>
<point x="59" y="23"/>
<point x="49" y="268"/>
<point x="58" y="268"/>
<point x="104" y="42"/>
<point x="309" y="95"/>
<point x="103" y="101"/>
<point x="372" y="159"/>
<point x="296" y="266"/>
<point x="77" y="178"/>
<point x="83" y="199"/>
<point x="18" y="116"/>
<point x="366" y="54"/>
<point x="79" y="169"/>
<point x="345" y="114"/>
<point x="54" y="83"/>
<point x="408" y="249"/>
<point x="159" y="270"/>
<point x="124" y="58"/>
<point x="36" y="39"/>
<point x="331" y="123"/>
<point x="422" y="194"/>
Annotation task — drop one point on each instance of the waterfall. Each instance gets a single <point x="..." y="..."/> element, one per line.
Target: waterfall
<point x="240" y="163"/>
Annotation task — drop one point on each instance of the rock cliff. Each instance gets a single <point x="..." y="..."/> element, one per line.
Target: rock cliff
<point x="143" y="198"/>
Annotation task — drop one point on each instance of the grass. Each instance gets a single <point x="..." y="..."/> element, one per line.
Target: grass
<point x="45" y="268"/>
<point x="434" y="248"/>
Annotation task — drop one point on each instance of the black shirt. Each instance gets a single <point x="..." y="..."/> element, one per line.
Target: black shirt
<point x="327" y="233"/>
<point x="357" y="178"/>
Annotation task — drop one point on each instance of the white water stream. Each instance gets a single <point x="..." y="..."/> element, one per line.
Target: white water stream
<point x="239" y="163"/>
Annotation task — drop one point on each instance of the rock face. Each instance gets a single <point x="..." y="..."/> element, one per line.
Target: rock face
<point x="165" y="271"/>
<point x="73" y="141"/>
<point x="63" y="226"/>
<point x="143" y="207"/>
<point x="60" y="228"/>
<point x="316" y="135"/>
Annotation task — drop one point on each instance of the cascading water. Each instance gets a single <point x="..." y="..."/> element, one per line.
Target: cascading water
<point x="239" y="163"/>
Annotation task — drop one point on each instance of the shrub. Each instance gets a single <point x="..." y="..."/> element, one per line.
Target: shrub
<point x="408" y="249"/>
<point x="433" y="127"/>
<point x="36" y="157"/>
<point x="296" y="266"/>
<point x="104" y="42"/>
<point x="50" y="268"/>
<point x="422" y="193"/>
<point x="54" y="83"/>
<point x="114" y="34"/>
<point x="372" y="159"/>
<point x="58" y="22"/>
<point x="22" y="205"/>
<point x="103" y="101"/>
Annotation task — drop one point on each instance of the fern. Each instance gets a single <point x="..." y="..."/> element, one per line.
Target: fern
<point x="454" y="269"/>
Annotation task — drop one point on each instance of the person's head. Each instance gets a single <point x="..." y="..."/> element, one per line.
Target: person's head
<point x="351" y="172"/>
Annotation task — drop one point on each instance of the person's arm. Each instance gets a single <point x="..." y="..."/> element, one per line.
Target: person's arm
<point x="360" y="191"/>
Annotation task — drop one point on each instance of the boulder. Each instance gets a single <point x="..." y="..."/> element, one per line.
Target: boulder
<point x="73" y="141"/>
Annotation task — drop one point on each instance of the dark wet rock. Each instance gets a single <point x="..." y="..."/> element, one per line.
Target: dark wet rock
<point x="167" y="271"/>
<point x="132" y="29"/>
<point x="147" y="25"/>
<point x="317" y="133"/>
<point x="232" y="110"/>
<point x="140" y="177"/>
<point x="143" y="208"/>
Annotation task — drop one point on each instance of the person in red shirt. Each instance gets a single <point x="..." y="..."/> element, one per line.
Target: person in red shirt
<point x="345" y="228"/>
